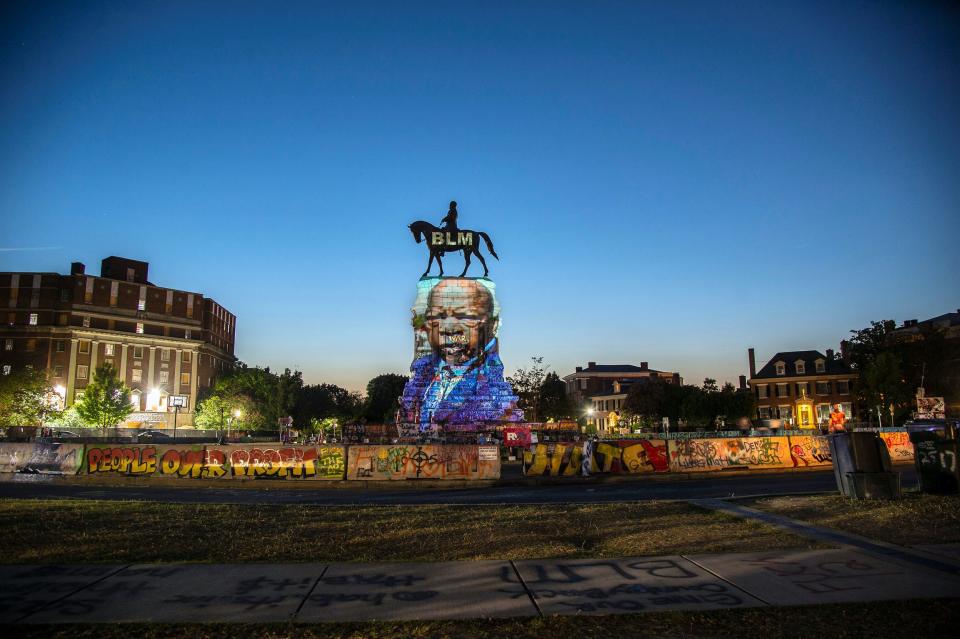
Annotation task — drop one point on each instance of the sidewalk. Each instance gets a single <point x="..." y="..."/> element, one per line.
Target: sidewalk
<point x="311" y="593"/>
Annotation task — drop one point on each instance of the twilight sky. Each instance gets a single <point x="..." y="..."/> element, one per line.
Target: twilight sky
<point x="670" y="182"/>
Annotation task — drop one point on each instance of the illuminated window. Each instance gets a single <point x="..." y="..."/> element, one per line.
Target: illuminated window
<point x="138" y="352"/>
<point x="164" y="377"/>
<point x="136" y="375"/>
<point x="781" y="368"/>
<point x="142" y="305"/>
<point x="187" y="333"/>
<point x="84" y="346"/>
<point x="81" y="371"/>
<point x="33" y="319"/>
<point x="58" y="371"/>
<point x="135" y="400"/>
<point x="185" y="357"/>
<point x="821" y="366"/>
<point x="6" y="369"/>
<point x="801" y="368"/>
<point x="109" y="350"/>
<point x="8" y="345"/>
<point x="823" y="412"/>
<point x="802" y="388"/>
<point x="86" y="321"/>
<point x="843" y="387"/>
<point x="164" y="354"/>
<point x="140" y="327"/>
<point x="185" y="379"/>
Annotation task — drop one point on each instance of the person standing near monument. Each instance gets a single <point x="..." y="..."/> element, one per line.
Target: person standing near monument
<point x="837" y="420"/>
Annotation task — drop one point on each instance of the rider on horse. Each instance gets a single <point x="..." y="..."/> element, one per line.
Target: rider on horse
<point x="450" y="222"/>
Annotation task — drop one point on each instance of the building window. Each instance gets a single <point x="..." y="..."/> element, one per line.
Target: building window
<point x="6" y="369"/>
<point x="785" y="412"/>
<point x="164" y="354"/>
<point x="781" y="368"/>
<point x="109" y="349"/>
<point x="141" y="305"/>
<point x="59" y="346"/>
<point x="763" y="391"/>
<point x="164" y="377"/>
<point x="823" y="413"/>
<point x="81" y="371"/>
<point x="184" y="379"/>
<point x="764" y="412"/>
<point x="821" y="366"/>
<point x="186" y="356"/>
<point x="77" y="395"/>
<point x="187" y="334"/>
<point x="847" y="410"/>
<point x="783" y="390"/>
<point x="84" y="347"/>
<point x="31" y="345"/>
<point x="130" y="274"/>
<point x="801" y="368"/>
<point x="802" y="389"/>
<point x="136" y="375"/>
<point x="843" y="387"/>
<point x="138" y="352"/>
<point x="64" y="318"/>
<point x="33" y="319"/>
<point x="86" y="321"/>
<point x="58" y="371"/>
<point x="140" y="328"/>
<point x="583" y="383"/>
<point x="64" y="295"/>
<point x="823" y="388"/>
<point x="8" y="345"/>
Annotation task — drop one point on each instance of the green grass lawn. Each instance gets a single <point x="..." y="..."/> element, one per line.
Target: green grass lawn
<point x="878" y="620"/>
<point x="80" y="531"/>
<point x="915" y="519"/>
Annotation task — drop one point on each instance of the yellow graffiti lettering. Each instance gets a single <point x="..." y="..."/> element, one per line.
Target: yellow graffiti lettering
<point x="436" y="238"/>
<point x="465" y="239"/>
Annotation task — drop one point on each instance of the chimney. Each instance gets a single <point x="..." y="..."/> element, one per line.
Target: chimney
<point x="591" y="364"/>
<point x="829" y="354"/>
<point x="743" y="382"/>
<point x="753" y="363"/>
<point x="845" y="351"/>
<point x="77" y="268"/>
<point x="644" y="366"/>
<point x="579" y="369"/>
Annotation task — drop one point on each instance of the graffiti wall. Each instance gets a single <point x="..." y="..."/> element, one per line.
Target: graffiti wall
<point x="555" y="459"/>
<point x="215" y="462"/>
<point x="899" y="446"/>
<point x="413" y="461"/>
<point x="629" y="456"/>
<point x="810" y="450"/>
<point x="699" y="455"/>
<point x="13" y="456"/>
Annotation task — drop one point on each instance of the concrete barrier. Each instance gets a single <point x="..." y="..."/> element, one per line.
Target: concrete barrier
<point x="241" y="461"/>
<point x="626" y="457"/>
<point x="426" y="461"/>
<point x="702" y="455"/>
<point x="13" y="456"/>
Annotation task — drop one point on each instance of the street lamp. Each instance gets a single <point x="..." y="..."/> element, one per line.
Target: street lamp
<point x="236" y="415"/>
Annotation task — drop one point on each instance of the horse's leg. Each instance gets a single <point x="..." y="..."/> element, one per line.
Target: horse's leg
<point x="440" y="263"/>
<point x="466" y="263"/>
<point x="429" y="266"/>
<point x="476" y="251"/>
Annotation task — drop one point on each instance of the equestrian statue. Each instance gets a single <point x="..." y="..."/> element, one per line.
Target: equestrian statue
<point x="448" y="238"/>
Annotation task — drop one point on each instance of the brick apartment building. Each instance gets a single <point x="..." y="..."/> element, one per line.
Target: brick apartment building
<point x="793" y="378"/>
<point x="609" y="379"/>
<point x="163" y="341"/>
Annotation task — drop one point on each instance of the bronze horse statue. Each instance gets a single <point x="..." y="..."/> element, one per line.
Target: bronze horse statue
<point x="442" y="240"/>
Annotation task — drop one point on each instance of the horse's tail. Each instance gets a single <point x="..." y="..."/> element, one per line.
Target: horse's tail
<point x="486" y="238"/>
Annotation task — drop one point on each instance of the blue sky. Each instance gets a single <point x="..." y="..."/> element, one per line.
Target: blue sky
<point x="665" y="182"/>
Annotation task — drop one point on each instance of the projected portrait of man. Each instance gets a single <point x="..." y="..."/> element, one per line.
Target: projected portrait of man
<point x="460" y="381"/>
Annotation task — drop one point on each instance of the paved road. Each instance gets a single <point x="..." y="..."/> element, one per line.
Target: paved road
<point x="705" y="488"/>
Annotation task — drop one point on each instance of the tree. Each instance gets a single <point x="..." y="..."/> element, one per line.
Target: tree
<point x="527" y="384"/>
<point x="24" y="397"/>
<point x="882" y="384"/>
<point x="106" y="400"/>
<point x="554" y="403"/>
<point x="645" y="400"/>
<point x="321" y="401"/>
<point x="383" y="395"/>
<point x="221" y="412"/>
<point x="268" y="396"/>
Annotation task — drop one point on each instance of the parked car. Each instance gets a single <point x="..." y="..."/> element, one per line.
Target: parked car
<point x="153" y="436"/>
<point x="65" y="434"/>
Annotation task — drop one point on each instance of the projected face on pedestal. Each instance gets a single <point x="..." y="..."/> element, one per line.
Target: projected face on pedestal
<point x="459" y="320"/>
